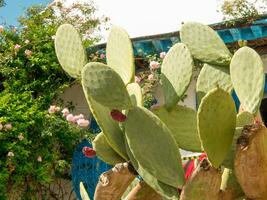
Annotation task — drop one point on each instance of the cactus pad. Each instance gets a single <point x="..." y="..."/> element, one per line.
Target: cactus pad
<point x="110" y="128"/>
<point x="104" y="150"/>
<point x="205" y="44"/>
<point x="105" y="86"/>
<point x="247" y="74"/>
<point x="84" y="194"/>
<point x="69" y="49"/>
<point x="152" y="145"/>
<point x="210" y="77"/>
<point x="182" y="122"/>
<point x="229" y="159"/>
<point x="216" y="121"/>
<point x="135" y="93"/>
<point x="244" y="118"/>
<point x="120" y="54"/>
<point x="167" y="191"/>
<point x="176" y="73"/>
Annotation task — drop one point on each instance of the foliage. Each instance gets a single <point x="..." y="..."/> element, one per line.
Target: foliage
<point x="2" y="3"/>
<point x="234" y="9"/>
<point x="35" y="146"/>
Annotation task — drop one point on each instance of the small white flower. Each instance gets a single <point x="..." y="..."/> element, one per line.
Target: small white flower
<point x="39" y="159"/>
<point x="10" y="154"/>
<point x="20" y="137"/>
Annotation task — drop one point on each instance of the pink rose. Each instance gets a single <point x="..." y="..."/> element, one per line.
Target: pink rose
<point x="154" y="65"/>
<point x="162" y="55"/>
<point x="70" y="118"/>
<point x="1" y="29"/>
<point x="17" y="46"/>
<point x="102" y="56"/>
<point x="150" y="77"/>
<point x="8" y="126"/>
<point x="77" y="117"/>
<point x="137" y="79"/>
<point x="65" y="112"/>
<point x="28" y="53"/>
<point x="53" y="109"/>
<point x="83" y="122"/>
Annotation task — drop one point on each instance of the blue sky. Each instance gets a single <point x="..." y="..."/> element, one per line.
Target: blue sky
<point x="15" y="8"/>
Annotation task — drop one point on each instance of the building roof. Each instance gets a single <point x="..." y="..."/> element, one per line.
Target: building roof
<point x="252" y="30"/>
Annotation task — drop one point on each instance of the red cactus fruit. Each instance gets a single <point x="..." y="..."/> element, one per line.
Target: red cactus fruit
<point x="118" y="116"/>
<point x="89" y="152"/>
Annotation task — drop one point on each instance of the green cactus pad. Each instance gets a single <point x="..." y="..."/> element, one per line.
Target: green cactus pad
<point x="244" y="118"/>
<point x="69" y="49"/>
<point x="216" y="121"/>
<point x="247" y="74"/>
<point x="109" y="127"/>
<point x="153" y="146"/>
<point x="182" y="122"/>
<point x="83" y="192"/>
<point x="205" y="44"/>
<point x="176" y="73"/>
<point x="104" y="150"/>
<point x="105" y="86"/>
<point x="120" y="55"/>
<point x="167" y="191"/>
<point x="135" y="93"/>
<point x="229" y="159"/>
<point x="210" y="77"/>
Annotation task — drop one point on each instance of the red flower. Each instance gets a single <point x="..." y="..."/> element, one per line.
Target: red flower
<point x="117" y="116"/>
<point x="89" y="152"/>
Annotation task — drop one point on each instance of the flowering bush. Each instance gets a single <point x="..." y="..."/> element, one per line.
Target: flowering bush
<point x="149" y="79"/>
<point x="37" y="140"/>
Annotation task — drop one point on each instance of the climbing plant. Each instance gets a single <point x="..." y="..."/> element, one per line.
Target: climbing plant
<point x="36" y="143"/>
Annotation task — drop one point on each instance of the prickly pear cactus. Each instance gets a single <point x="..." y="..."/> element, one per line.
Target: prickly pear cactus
<point x="152" y="144"/>
<point x="98" y="79"/>
<point x="166" y="191"/>
<point x="69" y="49"/>
<point x="182" y="122"/>
<point x="230" y="187"/>
<point x="203" y="184"/>
<point x="176" y="73"/>
<point x="135" y="94"/>
<point x="210" y="77"/>
<point x="244" y="118"/>
<point x="120" y="54"/>
<point x="149" y="141"/>
<point x="104" y="150"/>
<point x="216" y="121"/>
<point x="230" y="157"/>
<point x="247" y="75"/>
<point x="251" y="161"/>
<point x="205" y="44"/>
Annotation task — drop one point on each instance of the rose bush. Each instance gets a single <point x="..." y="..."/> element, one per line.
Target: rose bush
<point x="36" y="139"/>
